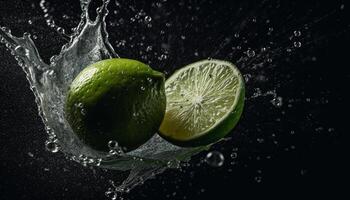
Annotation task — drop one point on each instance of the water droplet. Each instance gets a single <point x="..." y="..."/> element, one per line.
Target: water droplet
<point x="112" y="144"/>
<point x="163" y="57"/>
<point x="236" y="35"/>
<point x="250" y="53"/>
<point x="30" y="22"/>
<point x="60" y="30"/>
<point x="297" y="44"/>
<point x="215" y="159"/>
<point x="52" y="146"/>
<point x="30" y="154"/>
<point x="342" y="7"/>
<point x="277" y="101"/>
<point x="98" y="161"/>
<point x="143" y="88"/>
<point x="148" y="19"/>
<point x="258" y="179"/>
<point x="110" y="193"/>
<point x="149" y="48"/>
<point x="297" y="33"/>
<point x="183" y="37"/>
<point x="233" y="155"/>
<point x="21" y="50"/>
<point x="260" y="140"/>
<point x="83" y="111"/>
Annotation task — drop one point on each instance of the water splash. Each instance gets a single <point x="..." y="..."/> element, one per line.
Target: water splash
<point x="254" y="44"/>
<point x="50" y="82"/>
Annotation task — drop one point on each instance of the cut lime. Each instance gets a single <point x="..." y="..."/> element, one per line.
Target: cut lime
<point x="204" y="103"/>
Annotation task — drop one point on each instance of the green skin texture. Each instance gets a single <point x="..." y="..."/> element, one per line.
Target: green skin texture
<point x="215" y="134"/>
<point x="109" y="98"/>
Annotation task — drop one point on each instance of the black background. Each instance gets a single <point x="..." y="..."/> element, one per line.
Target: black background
<point x="316" y="167"/>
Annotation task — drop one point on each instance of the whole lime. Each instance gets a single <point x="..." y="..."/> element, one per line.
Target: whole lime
<point x="117" y="99"/>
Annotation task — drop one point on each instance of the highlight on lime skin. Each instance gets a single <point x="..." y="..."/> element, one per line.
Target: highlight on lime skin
<point x="126" y="101"/>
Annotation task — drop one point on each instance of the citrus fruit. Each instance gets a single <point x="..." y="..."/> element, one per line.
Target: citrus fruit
<point x="204" y="103"/>
<point x="120" y="100"/>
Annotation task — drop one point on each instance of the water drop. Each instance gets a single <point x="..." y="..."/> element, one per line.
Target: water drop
<point x="98" y="161"/>
<point x="30" y="22"/>
<point x="52" y="146"/>
<point x="26" y="34"/>
<point x="149" y="48"/>
<point x="83" y="111"/>
<point x="148" y="19"/>
<point x="60" y="30"/>
<point x="183" y="37"/>
<point x="258" y="179"/>
<point x="21" y="50"/>
<point x="236" y="35"/>
<point x="277" y="101"/>
<point x="250" y="53"/>
<point x="297" y="33"/>
<point x="215" y="159"/>
<point x="233" y="155"/>
<point x="260" y="140"/>
<point x="297" y="44"/>
<point x="110" y="193"/>
<point x="112" y="144"/>
<point x="342" y="7"/>
<point x="163" y="57"/>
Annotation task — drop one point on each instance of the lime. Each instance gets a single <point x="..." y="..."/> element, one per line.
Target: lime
<point x="118" y="100"/>
<point x="204" y="103"/>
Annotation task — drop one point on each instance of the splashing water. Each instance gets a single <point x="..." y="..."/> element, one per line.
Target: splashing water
<point x="89" y="43"/>
<point x="50" y="82"/>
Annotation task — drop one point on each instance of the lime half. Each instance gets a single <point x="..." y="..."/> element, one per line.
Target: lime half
<point x="204" y="103"/>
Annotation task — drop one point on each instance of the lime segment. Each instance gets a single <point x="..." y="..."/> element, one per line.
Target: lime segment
<point x="204" y="102"/>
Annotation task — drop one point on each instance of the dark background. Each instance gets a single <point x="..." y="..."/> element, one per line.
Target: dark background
<point x="311" y="162"/>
